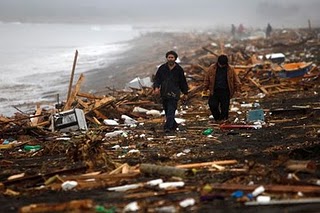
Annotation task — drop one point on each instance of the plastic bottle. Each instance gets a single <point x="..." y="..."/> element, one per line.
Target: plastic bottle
<point x="207" y="131"/>
<point x="32" y="148"/>
<point x="258" y="191"/>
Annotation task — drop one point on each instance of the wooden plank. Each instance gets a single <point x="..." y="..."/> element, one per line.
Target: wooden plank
<point x="197" y="165"/>
<point x="96" y="121"/>
<point x="99" y="114"/>
<point x="103" y="102"/>
<point x="35" y="120"/>
<point x="301" y="166"/>
<point x="83" y="104"/>
<point x="137" y="103"/>
<point x="89" y="96"/>
<point x="72" y="74"/>
<point x="74" y="93"/>
<point x="259" y="86"/>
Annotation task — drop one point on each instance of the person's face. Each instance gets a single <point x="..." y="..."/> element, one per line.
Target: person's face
<point x="171" y="59"/>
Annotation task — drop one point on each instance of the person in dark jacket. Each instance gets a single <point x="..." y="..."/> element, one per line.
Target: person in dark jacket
<point x="169" y="82"/>
<point x="222" y="82"/>
<point x="268" y="31"/>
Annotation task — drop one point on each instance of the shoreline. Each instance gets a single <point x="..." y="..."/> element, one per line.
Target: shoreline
<point x="140" y="60"/>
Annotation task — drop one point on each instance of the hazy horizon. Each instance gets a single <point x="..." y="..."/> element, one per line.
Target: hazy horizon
<point x="201" y="13"/>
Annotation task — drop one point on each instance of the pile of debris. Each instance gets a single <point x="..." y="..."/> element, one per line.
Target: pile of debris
<point x="113" y="144"/>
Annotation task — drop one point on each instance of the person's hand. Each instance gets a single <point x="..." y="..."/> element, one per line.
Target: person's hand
<point x="156" y="91"/>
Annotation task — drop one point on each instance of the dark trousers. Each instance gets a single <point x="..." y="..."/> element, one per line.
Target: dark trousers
<point x="219" y="104"/>
<point x="170" y="107"/>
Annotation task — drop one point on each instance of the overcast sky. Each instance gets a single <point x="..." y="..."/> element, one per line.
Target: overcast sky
<point x="256" y="13"/>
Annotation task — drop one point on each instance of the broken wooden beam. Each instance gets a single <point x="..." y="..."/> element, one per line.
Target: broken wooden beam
<point x="301" y="166"/>
<point x="74" y="93"/>
<point x="259" y="86"/>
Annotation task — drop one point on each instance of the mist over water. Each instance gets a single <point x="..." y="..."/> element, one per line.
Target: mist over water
<point x="200" y="13"/>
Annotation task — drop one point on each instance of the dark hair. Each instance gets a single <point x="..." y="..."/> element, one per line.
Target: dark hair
<point x="171" y="52"/>
<point x="223" y="60"/>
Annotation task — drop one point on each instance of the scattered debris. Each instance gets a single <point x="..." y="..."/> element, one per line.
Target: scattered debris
<point x="113" y="144"/>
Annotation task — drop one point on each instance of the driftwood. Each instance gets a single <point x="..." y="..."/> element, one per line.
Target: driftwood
<point x="301" y="166"/>
<point x="72" y="206"/>
<point x="162" y="170"/>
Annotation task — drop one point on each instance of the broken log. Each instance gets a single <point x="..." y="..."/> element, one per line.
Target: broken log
<point x="157" y="170"/>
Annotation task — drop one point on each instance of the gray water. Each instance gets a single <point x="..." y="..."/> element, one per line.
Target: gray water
<point x="36" y="59"/>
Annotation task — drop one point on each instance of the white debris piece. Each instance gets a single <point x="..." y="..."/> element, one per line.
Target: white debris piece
<point x="153" y="112"/>
<point x="180" y="120"/>
<point x="187" y="202"/>
<point x="259" y="190"/>
<point x="171" y="184"/>
<point x="131" y="207"/>
<point x="124" y="187"/>
<point x="140" y="110"/>
<point x="114" y="133"/>
<point x="155" y="182"/>
<point x="68" y="185"/>
<point x="110" y="122"/>
<point x="128" y="120"/>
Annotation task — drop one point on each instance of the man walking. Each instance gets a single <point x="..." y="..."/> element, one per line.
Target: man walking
<point x="222" y="82"/>
<point x="169" y="82"/>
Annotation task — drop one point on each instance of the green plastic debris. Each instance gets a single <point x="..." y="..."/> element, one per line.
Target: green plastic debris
<point x="32" y="148"/>
<point x="207" y="131"/>
<point x="102" y="209"/>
